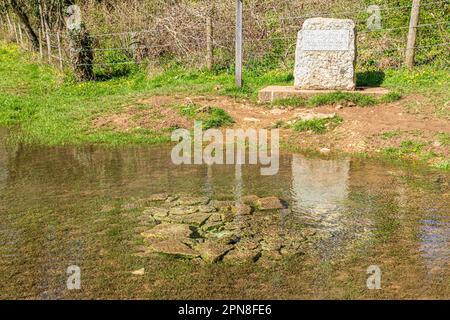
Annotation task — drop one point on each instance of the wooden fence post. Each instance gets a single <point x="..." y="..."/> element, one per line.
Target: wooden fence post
<point x="209" y="41"/>
<point x="61" y="66"/>
<point x="238" y="59"/>
<point x="410" y="46"/>
<point x="16" y="35"/>
<point x="45" y="31"/>
<point x="10" y="27"/>
<point x="49" y="43"/>
<point x="41" y="51"/>
<point x="4" y="26"/>
<point x="19" y="27"/>
<point x="41" y="17"/>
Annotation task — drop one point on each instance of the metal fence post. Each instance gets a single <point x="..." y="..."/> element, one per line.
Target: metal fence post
<point x="238" y="61"/>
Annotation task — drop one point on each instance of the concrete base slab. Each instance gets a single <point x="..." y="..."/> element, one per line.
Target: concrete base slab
<point x="272" y="93"/>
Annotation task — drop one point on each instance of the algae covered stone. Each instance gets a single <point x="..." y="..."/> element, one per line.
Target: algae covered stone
<point x="173" y="247"/>
<point x="168" y="231"/>
<point x="269" y="203"/>
<point x="211" y="251"/>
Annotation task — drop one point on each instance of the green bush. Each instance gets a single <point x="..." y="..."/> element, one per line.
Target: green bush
<point x="111" y="64"/>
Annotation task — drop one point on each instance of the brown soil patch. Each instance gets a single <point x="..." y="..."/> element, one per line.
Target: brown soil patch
<point x="361" y="130"/>
<point x="155" y="114"/>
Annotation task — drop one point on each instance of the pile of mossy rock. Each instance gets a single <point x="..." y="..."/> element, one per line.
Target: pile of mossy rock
<point x="218" y="230"/>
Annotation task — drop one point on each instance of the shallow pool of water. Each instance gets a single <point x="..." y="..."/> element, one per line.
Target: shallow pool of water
<point x="53" y="199"/>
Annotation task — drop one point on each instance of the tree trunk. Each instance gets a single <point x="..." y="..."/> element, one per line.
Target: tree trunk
<point x="26" y="22"/>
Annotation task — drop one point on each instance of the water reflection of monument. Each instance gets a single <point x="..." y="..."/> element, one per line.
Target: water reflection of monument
<point x="3" y="167"/>
<point x="435" y="243"/>
<point x="318" y="189"/>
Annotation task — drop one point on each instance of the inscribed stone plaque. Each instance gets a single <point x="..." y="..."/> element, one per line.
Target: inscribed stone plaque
<point x="326" y="40"/>
<point x="326" y="55"/>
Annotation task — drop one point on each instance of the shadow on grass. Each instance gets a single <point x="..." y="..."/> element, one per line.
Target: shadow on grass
<point x="370" y="78"/>
<point x="106" y="73"/>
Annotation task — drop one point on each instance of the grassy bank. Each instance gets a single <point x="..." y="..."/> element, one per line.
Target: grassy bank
<point x="49" y="108"/>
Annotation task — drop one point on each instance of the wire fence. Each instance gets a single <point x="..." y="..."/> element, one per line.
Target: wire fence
<point x="143" y="46"/>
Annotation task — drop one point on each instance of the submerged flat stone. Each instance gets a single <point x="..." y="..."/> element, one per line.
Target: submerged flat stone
<point x="227" y="216"/>
<point x="250" y="200"/>
<point x="237" y="225"/>
<point x="157" y="212"/>
<point x="168" y="231"/>
<point x="206" y="209"/>
<point x="215" y="217"/>
<point x="244" y="252"/>
<point x="211" y="251"/>
<point x="225" y="236"/>
<point x="139" y="272"/>
<point x="196" y="219"/>
<point x="173" y="247"/>
<point x="219" y="204"/>
<point x="148" y="220"/>
<point x="180" y="211"/>
<point x="241" y="209"/>
<point x="214" y="222"/>
<point x="230" y="233"/>
<point x="171" y="199"/>
<point x="269" y="203"/>
<point x="159" y="197"/>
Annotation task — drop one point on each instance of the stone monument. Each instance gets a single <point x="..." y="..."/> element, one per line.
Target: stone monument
<point x="326" y="55"/>
<point x="325" y="61"/>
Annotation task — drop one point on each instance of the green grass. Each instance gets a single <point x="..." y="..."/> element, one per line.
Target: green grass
<point x="410" y="146"/>
<point x="390" y="97"/>
<point x="341" y="97"/>
<point x="318" y="126"/>
<point x="333" y="98"/>
<point x="407" y="148"/>
<point x="211" y="117"/>
<point x="217" y="118"/>
<point x="291" y="102"/>
<point x="50" y="108"/>
<point x="181" y="80"/>
<point x="444" y="138"/>
<point x="431" y="83"/>
<point x="391" y="134"/>
<point x="443" y="165"/>
<point x="421" y="79"/>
